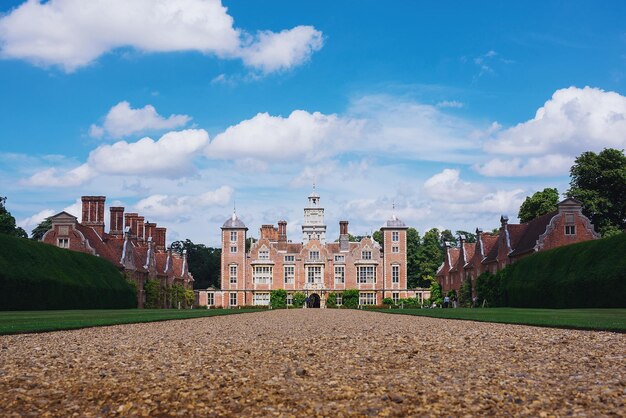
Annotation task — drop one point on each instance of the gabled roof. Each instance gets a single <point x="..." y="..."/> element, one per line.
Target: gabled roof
<point x="533" y="229"/>
<point x="489" y="242"/>
<point x="453" y="256"/>
<point x="469" y="248"/>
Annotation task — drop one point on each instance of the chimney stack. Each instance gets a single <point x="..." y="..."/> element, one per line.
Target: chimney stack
<point x="282" y="231"/>
<point x="138" y="227"/>
<point x="159" y="238"/>
<point x="344" y="238"/>
<point x="128" y="223"/>
<point x="93" y="213"/>
<point x="269" y="232"/>
<point x="116" y="226"/>
<point x="149" y="230"/>
<point x="504" y="220"/>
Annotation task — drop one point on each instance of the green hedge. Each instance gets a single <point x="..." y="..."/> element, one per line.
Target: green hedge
<point x="36" y="276"/>
<point x="590" y="274"/>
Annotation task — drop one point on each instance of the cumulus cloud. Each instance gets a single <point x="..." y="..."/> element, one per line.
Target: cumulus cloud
<point x="54" y="177"/>
<point x="275" y="138"/>
<point x="448" y="186"/>
<point x="168" y="206"/>
<point x="171" y="156"/>
<point x="280" y="51"/>
<point x="74" y="33"/>
<point x="122" y="120"/>
<point x="450" y="103"/>
<point x="574" y="120"/>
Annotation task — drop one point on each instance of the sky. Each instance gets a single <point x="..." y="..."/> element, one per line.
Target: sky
<point x="446" y="114"/>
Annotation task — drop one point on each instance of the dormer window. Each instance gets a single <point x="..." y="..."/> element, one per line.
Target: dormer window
<point x="63" y="243"/>
<point x="366" y="255"/>
<point x="264" y="254"/>
<point x="570" y="229"/>
<point x="314" y="255"/>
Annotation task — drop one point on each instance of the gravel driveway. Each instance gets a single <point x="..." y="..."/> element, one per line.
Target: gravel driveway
<point x="311" y="362"/>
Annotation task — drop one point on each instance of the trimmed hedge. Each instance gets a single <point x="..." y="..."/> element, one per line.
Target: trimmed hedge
<point x="37" y="276"/>
<point x="590" y="274"/>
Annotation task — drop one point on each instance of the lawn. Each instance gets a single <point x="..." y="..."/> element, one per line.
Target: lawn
<point x="16" y="322"/>
<point x="592" y="319"/>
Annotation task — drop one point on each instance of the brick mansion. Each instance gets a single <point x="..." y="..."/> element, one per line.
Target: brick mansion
<point x="314" y="266"/>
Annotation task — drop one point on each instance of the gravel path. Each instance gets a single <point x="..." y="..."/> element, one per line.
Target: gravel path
<point x="313" y="363"/>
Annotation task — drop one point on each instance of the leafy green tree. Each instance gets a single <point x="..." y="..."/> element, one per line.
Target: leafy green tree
<point x="388" y="301"/>
<point x="39" y="231"/>
<point x="436" y="295"/>
<point x="154" y="294"/>
<point x="465" y="294"/>
<point x="539" y="204"/>
<point x="249" y="242"/>
<point x="469" y="237"/>
<point x="412" y="262"/>
<point x="7" y="222"/>
<point x="278" y="299"/>
<point x="429" y="257"/>
<point x="599" y="182"/>
<point x="204" y="263"/>
<point x="448" y="236"/>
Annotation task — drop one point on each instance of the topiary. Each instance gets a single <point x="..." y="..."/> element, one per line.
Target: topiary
<point x="278" y="299"/>
<point x="298" y="299"/>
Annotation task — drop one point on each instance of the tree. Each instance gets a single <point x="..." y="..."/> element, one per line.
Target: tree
<point x="469" y="237"/>
<point x="278" y="299"/>
<point x="429" y="257"/>
<point x="599" y="182"/>
<point x="39" y="231"/>
<point x="7" y="222"/>
<point x="412" y="261"/>
<point x="436" y="295"/>
<point x="447" y="236"/>
<point x="538" y="204"/>
<point x="204" y="263"/>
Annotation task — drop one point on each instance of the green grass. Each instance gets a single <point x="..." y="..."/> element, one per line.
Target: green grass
<point x="17" y="322"/>
<point x="590" y="319"/>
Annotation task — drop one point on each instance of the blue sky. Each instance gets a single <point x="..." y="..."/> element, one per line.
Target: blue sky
<point x="432" y="106"/>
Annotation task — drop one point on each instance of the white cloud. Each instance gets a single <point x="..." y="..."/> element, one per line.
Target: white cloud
<point x="170" y="156"/>
<point x="53" y="177"/>
<point x="170" y="207"/>
<point x="275" y="138"/>
<point x="280" y="51"/>
<point x="122" y="120"/>
<point x="448" y="186"/>
<point x="547" y="165"/>
<point x="32" y="221"/>
<point x="74" y="33"/>
<point x="574" y="120"/>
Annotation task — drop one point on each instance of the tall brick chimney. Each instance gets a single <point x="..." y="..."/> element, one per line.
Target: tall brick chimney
<point x="269" y="232"/>
<point x="139" y="224"/>
<point x="282" y="231"/>
<point x="116" y="226"/>
<point x="159" y="238"/>
<point x="128" y="222"/>
<point x="93" y="212"/>
<point x="149" y="230"/>
<point x="344" y="238"/>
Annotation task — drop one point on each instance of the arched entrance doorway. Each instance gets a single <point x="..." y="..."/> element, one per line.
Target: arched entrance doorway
<point x="314" y="301"/>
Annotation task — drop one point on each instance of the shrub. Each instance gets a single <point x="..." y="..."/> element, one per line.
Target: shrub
<point x="388" y="301"/>
<point x="331" y="301"/>
<point x="154" y="294"/>
<point x="589" y="274"/>
<point x="436" y="295"/>
<point x="465" y="294"/>
<point x="298" y="299"/>
<point x="278" y="299"/>
<point x="350" y="298"/>
<point x="489" y="289"/>
<point x="34" y="275"/>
